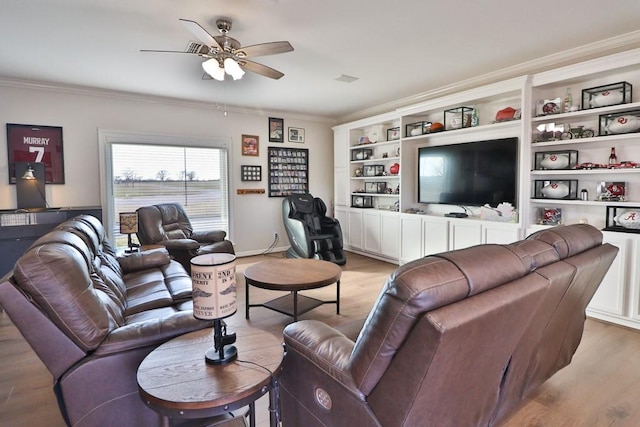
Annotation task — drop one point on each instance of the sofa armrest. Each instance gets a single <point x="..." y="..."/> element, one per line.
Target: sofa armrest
<point x="326" y="348"/>
<point x="144" y="260"/>
<point x="180" y="244"/>
<point x="150" y="333"/>
<point x="212" y="236"/>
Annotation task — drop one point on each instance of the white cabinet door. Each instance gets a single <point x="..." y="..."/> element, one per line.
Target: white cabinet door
<point x="390" y="234"/>
<point x="371" y="230"/>
<point x="435" y="235"/>
<point x="501" y="235"/>
<point x="341" y="186"/>
<point x="463" y="234"/>
<point x="610" y="296"/>
<point x="355" y="228"/>
<point x="410" y="238"/>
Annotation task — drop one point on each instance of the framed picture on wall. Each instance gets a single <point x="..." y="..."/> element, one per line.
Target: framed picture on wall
<point x="296" y="135"/>
<point x="36" y="144"/>
<point x="250" y="173"/>
<point x="250" y="145"/>
<point x="276" y="130"/>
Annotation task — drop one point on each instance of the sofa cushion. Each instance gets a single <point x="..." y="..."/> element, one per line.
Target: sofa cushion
<point x="177" y="280"/>
<point x="146" y="290"/>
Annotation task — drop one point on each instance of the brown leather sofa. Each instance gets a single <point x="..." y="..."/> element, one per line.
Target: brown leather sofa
<point x="454" y="339"/>
<point x="91" y="317"/>
<point x="167" y="224"/>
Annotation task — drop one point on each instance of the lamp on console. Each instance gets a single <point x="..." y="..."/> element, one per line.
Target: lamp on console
<point x="30" y="185"/>
<point x="213" y="278"/>
<point x="129" y="225"/>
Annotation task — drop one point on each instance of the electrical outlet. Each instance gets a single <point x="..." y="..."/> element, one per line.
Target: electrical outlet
<point x="275" y="235"/>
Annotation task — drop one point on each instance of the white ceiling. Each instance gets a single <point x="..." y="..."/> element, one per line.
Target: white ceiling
<point x="396" y="49"/>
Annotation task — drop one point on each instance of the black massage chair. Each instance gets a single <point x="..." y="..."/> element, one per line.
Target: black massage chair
<point x="311" y="233"/>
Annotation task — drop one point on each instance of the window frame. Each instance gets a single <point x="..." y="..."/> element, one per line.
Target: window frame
<point x="108" y="137"/>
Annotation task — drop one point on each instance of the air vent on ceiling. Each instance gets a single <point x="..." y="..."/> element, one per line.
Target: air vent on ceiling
<point x="347" y="79"/>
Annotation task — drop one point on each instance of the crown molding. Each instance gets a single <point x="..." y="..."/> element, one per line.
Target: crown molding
<point x="568" y="57"/>
<point x="135" y="97"/>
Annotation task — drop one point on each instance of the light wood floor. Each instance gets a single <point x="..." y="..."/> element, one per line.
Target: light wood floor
<point x="601" y="387"/>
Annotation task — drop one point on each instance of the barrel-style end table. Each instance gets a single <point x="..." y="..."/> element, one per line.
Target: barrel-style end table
<point x="175" y="381"/>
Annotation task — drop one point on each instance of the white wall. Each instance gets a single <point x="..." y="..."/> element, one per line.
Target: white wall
<point x="81" y="113"/>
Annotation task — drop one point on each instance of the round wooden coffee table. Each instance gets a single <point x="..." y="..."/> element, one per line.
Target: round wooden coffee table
<point x="175" y="381"/>
<point x="292" y="275"/>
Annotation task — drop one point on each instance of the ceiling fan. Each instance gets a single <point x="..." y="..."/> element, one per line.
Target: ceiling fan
<point x="224" y="54"/>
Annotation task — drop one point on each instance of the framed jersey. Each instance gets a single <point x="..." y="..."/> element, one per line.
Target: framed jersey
<point x="36" y="144"/>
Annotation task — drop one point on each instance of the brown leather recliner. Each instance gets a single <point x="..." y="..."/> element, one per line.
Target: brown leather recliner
<point x="167" y="224"/>
<point x="92" y="317"/>
<point x="454" y="339"/>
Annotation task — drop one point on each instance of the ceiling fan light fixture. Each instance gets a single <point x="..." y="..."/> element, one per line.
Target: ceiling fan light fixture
<point x="213" y="68"/>
<point x="233" y="68"/>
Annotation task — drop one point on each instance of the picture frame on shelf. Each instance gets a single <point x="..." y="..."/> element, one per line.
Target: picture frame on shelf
<point x="373" y="170"/>
<point x="361" y="154"/>
<point x="296" y="134"/>
<point x="375" y="187"/>
<point x="393" y="134"/>
<point x="276" y="129"/>
<point x="360" y="201"/>
<point x="250" y="145"/>
<point x="36" y="144"/>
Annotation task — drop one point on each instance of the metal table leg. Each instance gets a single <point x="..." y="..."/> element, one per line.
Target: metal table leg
<point x="246" y="301"/>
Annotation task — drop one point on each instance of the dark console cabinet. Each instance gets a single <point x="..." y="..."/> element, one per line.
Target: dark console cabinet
<point x="18" y="230"/>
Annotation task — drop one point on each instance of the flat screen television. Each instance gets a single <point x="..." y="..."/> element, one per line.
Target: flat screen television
<point x="469" y="174"/>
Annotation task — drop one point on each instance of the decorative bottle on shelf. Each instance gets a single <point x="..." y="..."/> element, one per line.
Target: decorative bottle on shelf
<point x="568" y="101"/>
<point x="613" y="159"/>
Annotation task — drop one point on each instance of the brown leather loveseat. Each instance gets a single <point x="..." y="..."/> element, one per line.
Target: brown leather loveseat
<point x="455" y="339"/>
<point x="92" y="317"/>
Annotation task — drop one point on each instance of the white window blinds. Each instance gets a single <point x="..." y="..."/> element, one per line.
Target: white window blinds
<point x="195" y="177"/>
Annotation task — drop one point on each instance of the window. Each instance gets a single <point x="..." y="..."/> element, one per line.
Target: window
<point x="143" y="174"/>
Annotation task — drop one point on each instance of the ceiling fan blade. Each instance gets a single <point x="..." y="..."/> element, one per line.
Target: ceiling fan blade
<point x="200" y="33"/>
<point x="264" y="49"/>
<point x="260" y="69"/>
